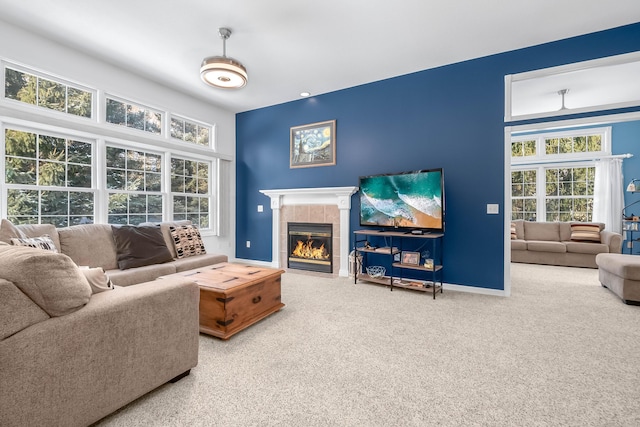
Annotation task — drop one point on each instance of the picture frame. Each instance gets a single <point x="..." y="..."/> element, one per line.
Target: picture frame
<point x="313" y="145"/>
<point x="410" y="258"/>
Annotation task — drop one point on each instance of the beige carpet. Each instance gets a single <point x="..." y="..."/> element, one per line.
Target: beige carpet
<point x="561" y="351"/>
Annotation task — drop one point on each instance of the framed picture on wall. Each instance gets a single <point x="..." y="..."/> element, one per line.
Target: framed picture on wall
<point x="313" y="145"/>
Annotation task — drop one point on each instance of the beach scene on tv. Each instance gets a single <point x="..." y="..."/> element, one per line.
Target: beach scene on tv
<point x="408" y="200"/>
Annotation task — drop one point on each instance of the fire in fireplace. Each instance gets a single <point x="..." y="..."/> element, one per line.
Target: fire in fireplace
<point x="309" y="246"/>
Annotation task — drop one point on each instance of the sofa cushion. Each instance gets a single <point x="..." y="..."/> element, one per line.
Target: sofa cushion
<point x="134" y="276"/>
<point x="18" y="311"/>
<point x="42" y="242"/>
<point x="514" y="236"/>
<point x="199" y="261"/>
<point x="9" y="231"/>
<point x="187" y="241"/>
<point x="89" y="244"/>
<point x="565" y="231"/>
<point x="546" y="231"/>
<point x="166" y="232"/>
<point x="50" y="279"/>
<point x="37" y="230"/>
<point x="585" y="232"/>
<point x="137" y="246"/>
<point x="518" y="245"/>
<point x="586" y="247"/>
<point x="546" y="246"/>
<point x="519" y="223"/>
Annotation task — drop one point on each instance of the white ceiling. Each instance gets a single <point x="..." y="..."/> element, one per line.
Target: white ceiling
<point x="290" y="46"/>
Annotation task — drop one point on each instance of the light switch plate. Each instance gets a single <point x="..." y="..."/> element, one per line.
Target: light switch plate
<point x="493" y="208"/>
<point x="260" y="208"/>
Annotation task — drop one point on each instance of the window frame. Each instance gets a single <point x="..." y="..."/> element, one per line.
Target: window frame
<point x="128" y="102"/>
<point x="543" y="161"/>
<point x="6" y="187"/>
<point x="57" y="79"/>
<point x="210" y="127"/>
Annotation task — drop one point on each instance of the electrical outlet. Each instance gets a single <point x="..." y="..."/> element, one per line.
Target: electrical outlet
<point x="260" y="208"/>
<point x="628" y="245"/>
<point x="248" y="243"/>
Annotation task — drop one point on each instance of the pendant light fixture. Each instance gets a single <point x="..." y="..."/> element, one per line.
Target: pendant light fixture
<point x="221" y="71"/>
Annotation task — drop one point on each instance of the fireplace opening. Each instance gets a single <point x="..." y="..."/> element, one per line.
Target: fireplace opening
<point x="309" y="246"/>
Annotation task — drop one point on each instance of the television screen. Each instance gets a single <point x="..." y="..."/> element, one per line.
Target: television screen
<point x="410" y="200"/>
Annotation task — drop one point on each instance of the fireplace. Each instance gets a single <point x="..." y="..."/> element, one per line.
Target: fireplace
<point x="309" y="246"/>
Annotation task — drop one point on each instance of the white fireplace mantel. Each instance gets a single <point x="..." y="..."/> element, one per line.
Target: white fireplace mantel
<point x="339" y="196"/>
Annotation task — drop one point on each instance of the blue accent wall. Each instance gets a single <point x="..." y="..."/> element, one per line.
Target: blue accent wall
<point x="449" y="117"/>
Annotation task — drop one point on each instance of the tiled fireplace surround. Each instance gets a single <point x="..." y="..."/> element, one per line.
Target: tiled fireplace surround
<point x="315" y="205"/>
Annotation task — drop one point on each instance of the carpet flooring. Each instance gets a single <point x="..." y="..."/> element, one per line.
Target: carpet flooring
<point x="560" y="351"/>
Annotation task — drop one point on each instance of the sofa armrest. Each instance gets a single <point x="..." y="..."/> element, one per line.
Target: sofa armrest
<point x="78" y="368"/>
<point x="613" y="240"/>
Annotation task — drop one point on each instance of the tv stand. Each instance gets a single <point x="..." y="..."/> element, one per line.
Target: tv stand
<point x="363" y="247"/>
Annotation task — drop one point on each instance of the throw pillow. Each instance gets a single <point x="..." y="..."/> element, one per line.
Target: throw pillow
<point x="98" y="279"/>
<point x="187" y="240"/>
<point x="137" y="246"/>
<point x="51" y="280"/>
<point x="513" y="231"/>
<point x="585" y="232"/>
<point x="42" y="242"/>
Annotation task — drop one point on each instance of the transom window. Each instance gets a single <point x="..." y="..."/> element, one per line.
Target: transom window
<point x="133" y="116"/>
<point x="47" y="92"/>
<point x="190" y="131"/>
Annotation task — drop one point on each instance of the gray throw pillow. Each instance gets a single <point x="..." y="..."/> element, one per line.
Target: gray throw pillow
<point x="137" y="246"/>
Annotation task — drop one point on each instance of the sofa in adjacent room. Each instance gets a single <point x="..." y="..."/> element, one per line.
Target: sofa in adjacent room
<point x="573" y="244"/>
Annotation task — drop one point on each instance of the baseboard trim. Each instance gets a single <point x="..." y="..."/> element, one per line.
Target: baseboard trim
<point x="475" y="290"/>
<point x="253" y="262"/>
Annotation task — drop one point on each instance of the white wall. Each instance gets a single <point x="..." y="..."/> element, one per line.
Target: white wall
<point x="33" y="51"/>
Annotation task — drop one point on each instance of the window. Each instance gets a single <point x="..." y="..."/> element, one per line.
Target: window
<point x="523" y="195"/>
<point x="134" y="183"/>
<point x="569" y="193"/>
<point x="48" y="93"/>
<point x="189" y="131"/>
<point x="525" y="148"/>
<point x="133" y="116"/>
<point x="76" y="176"/>
<point x="552" y="176"/>
<point x="39" y="169"/>
<point x="190" y="190"/>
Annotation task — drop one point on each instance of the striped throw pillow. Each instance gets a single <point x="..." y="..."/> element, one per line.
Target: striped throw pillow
<point x="585" y="232"/>
<point x="513" y="231"/>
<point x="42" y="242"/>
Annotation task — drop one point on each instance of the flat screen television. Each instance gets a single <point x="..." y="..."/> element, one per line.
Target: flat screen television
<point x="408" y="200"/>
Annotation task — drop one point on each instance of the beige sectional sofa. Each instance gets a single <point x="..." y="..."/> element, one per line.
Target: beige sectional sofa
<point x="554" y="243"/>
<point x="72" y="352"/>
<point x="93" y="245"/>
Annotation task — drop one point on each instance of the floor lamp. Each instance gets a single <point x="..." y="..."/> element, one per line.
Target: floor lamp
<point x="631" y="188"/>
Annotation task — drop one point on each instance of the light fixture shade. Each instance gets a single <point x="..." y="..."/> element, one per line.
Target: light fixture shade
<point x="631" y="188"/>
<point x="223" y="72"/>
